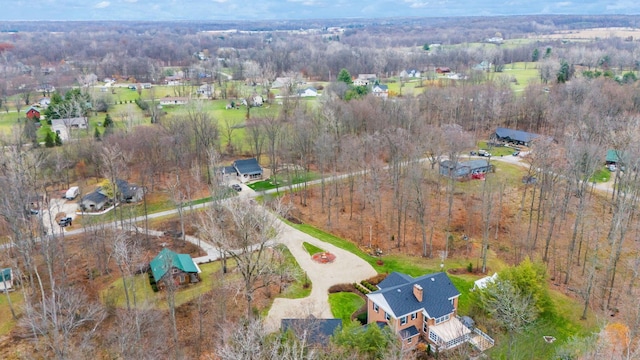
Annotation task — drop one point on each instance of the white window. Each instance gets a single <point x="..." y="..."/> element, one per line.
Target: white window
<point x="414" y="316"/>
<point x="409" y="340"/>
<point x="433" y="337"/>
<point x="387" y="317"/>
<point x="403" y="320"/>
<point x="442" y="319"/>
<point x="375" y="307"/>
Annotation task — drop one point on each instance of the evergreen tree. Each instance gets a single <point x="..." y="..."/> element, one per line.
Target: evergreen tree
<point x="564" y="73"/>
<point x="345" y="77"/>
<point x="58" y="140"/>
<point x="96" y="134"/>
<point x="107" y="121"/>
<point x="536" y="55"/>
<point x="48" y="140"/>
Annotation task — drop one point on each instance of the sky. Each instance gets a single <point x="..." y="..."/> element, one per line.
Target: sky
<point x="162" y="10"/>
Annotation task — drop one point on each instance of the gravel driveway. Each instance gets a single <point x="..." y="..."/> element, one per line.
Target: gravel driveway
<point x="346" y="268"/>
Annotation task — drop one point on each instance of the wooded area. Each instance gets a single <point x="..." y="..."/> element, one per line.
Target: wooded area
<point x="560" y="202"/>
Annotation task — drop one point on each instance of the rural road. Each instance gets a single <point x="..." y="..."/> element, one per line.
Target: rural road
<point x="346" y="268"/>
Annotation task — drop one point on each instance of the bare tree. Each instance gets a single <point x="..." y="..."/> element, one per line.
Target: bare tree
<point x="249" y="241"/>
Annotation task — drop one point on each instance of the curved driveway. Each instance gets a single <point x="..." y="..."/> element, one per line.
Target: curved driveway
<point x="346" y="268"/>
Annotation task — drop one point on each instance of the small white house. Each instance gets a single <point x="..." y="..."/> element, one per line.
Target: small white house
<point x="308" y="92"/>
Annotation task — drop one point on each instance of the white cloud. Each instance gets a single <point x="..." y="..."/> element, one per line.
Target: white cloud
<point x="131" y="1"/>
<point x="220" y="1"/>
<point x="417" y="4"/>
<point x="102" y="5"/>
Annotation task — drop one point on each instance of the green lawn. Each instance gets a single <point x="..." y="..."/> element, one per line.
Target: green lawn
<point x="302" y="286"/>
<point x="6" y="321"/>
<point x="311" y="249"/>
<point x="563" y="324"/>
<point x="344" y="304"/>
<point x="525" y="73"/>
<point x="283" y="181"/>
<point x="601" y="175"/>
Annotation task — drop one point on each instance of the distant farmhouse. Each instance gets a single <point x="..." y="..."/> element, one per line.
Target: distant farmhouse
<point x="380" y="91"/>
<point x="63" y="126"/>
<point x="365" y="79"/>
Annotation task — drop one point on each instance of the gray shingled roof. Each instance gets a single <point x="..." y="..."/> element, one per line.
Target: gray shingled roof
<point x="517" y="135"/>
<point x="438" y="290"/>
<point x="248" y="166"/>
<point x="409" y="332"/>
<point x="394" y="279"/>
<point x="319" y="331"/>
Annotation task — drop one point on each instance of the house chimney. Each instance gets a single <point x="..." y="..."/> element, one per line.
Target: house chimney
<point x="417" y="292"/>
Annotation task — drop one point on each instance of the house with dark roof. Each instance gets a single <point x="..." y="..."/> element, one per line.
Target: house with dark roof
<point x="313" y="331"/>
<point x="517" y="137"/>
<point x="170" y="267"/>
<point x="129" y="193"/>
<point x="94" y="201"/>
<point x="6" y="280"/>
<point x="422" y="308"/>
<point x="248" y="169"/>
<point x="465" y="170"/>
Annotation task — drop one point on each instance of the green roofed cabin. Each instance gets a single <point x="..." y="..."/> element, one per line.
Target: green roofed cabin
<point x="170" y="266"/>
<point x="6" y="280"/>
<point x="613" y="157"/>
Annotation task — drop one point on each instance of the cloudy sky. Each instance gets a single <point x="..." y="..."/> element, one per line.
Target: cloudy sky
<point x="295" y="9"/>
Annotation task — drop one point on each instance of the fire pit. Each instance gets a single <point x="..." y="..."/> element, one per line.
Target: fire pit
<point x="323" y="257"/>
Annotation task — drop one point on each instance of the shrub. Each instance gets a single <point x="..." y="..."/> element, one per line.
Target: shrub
<point x="377" y="279"/>
<point x="470" y="267"/>
<point x="341" y="288"/>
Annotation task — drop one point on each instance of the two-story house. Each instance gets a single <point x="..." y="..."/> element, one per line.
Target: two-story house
<point x="415" y="308"/>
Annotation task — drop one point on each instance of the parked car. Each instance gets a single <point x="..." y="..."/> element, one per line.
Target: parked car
<point x="236" y="187"/>
<point x="516" y="153"/>
<point x="529" y="180"/>
<point x="473" y="153"/>
<point x="484" y="153"/>
<point x="65" y="221"/>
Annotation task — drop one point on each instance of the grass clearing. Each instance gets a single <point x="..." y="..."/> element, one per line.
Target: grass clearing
<point x="7" y="323"/>
<point x="601" y="175"/>
<point x="312" y="249"/>
<point x="301" y="287"/>
<point x="344" y="304"/>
